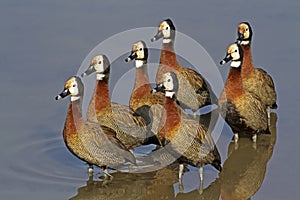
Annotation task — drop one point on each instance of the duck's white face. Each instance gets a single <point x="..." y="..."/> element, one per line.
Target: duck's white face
<point x="138" y="48"/>
<point x="244" y="30"/>
<point x="168" y="82"/>
<point x="165" y="28"/>
<point x="98" y="64"/>
<point x="233" y="50"/>
<point x="72" y="85"/>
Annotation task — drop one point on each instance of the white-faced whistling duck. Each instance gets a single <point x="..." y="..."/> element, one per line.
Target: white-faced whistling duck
<point x="242" y="110"/>
<point x="149" y="105"/>
<point x="194" y="91"/>
<point x="255" y="80"/>
<point x="87" y="140"/>
<point x="130" y="127"/>
<point x="185" y="138"/>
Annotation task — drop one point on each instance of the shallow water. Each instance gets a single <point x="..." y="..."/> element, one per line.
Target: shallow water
<point x="44" y="43"/>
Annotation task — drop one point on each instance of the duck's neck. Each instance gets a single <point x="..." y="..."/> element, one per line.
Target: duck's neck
<point x="142" y="84"/>
<point x="101" y="97"/>
<point x="171" y="119"/>
<point x="233" y="86"/>
<point x="168" y="60"/>
<point x="247" y="63"/>
<point x="74" y="118"/>
<point x="168" y="56"/>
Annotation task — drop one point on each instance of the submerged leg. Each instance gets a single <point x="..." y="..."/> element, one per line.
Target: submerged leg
<point x="201" y="180"/>
<point x="181" y="188"/>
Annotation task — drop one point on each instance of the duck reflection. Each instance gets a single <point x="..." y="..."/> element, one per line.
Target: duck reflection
<point x="133" y="186"/>
<point x="152" y="185"/>
<point x="242" y="176"/>
<point x="212" y="192"/>
<point x="244" y="170"/>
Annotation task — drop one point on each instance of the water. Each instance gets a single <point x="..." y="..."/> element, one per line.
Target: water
<point x="44" y="43"/>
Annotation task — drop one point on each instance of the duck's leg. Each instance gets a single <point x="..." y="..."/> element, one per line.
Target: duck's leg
<point x="107" y="177"/>
<point x="181" y="167"/>
<point x="180" y="172"/>
<point x="181" y="188"/>
<point x="90" y="169"/>
<point x="195" y="114"/>
<point x="254" y="139"/>
<point x="236" y="139"/>
<point x="201" y="180"/>
<point x="269" y="116"/>
<point x="106" y="174"/>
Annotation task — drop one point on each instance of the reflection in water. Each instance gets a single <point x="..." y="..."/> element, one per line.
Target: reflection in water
<point x="244" y="170"/>
<point x="151" y="185"/>
<point x="157" y="185"/>
<point x="242" y="176"/>
<point x="212" y="192"/>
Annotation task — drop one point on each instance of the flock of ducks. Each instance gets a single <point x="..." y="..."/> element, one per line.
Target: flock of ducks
<point x="157" y="115"/>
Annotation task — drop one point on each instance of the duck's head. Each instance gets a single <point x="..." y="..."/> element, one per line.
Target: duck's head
<point x="234" y="54"/>
<point x="166" y="30"/>
<point x="73" y="87"/>
<point x="100" y="65"/>
<point x="139" y="52"/>
<point x="244" y="33"/>
<point x="168" y="84"/>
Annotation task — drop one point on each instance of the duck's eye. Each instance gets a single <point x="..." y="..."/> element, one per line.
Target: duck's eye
<point x="99" y="62"/>
<point x="141" y="49"/>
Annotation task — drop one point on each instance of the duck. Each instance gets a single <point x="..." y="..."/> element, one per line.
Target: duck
<point x="255" y="80"/>
<point x="187" y="139"/>
<point x="148" y="105"/>
<point x="243" y="111"/>
<point x="87" y="140"/>
<point x="130" y="127"/>
<point x="194" y="91"/>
